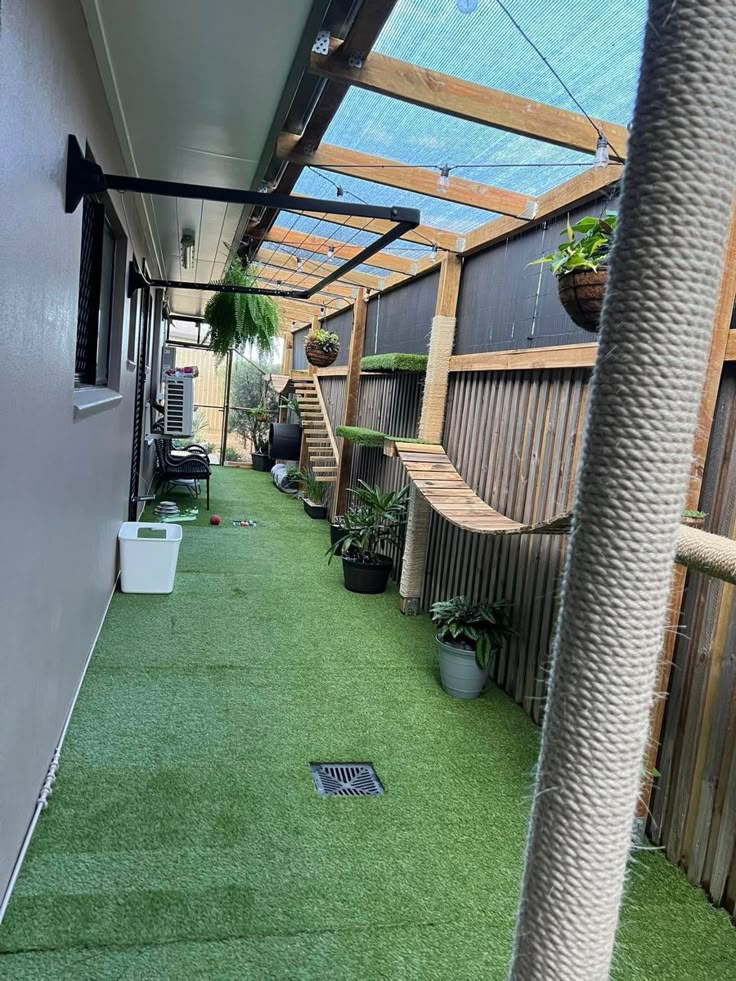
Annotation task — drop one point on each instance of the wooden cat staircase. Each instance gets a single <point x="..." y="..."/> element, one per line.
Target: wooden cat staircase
<point x="321" y="449"/>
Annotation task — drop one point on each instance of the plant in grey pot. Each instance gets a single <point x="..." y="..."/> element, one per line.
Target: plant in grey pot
<point x="376" y="522"/>
<point x="468" y="636"/>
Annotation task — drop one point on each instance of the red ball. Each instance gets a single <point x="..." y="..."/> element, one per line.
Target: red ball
<point x="215" y="519"/>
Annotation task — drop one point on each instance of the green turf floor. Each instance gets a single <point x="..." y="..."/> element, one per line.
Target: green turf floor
<point x="185" y="839"/>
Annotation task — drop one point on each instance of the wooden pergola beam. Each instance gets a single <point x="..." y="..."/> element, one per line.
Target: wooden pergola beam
<point x="393" y="173"/>
<point x="427" y="235"/>
<point x="572" y="192"/>
<point x="303" y="280"/>
<point x="286" y="260"/>
<point x="313" y="243"/>
<point x="302" y="311"/>
<point x="468" y="100"/>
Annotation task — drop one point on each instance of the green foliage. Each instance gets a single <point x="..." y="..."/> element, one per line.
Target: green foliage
<point x="481" y="627"/>
<point x="586" y="246"/>
<point x="250" y="388"/>
<point x="323" y="340"/>
<point x="376" y="520"/>
<point x="231" y="454"/>
<point x="416" y="363"/>
<point x="314" y="490"/>
<point x="699" y="515"/>
<point x="241" y="318"/>
<point x="257" y="420"/>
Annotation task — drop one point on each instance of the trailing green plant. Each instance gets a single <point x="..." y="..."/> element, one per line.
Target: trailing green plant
<point x="323" y="340"/>
<point x="414" y="363"/>
<point x="478" y="627"/>
<point x="375" y="521"/>
<point x="241" y="318"/>
<point x="313" y="490"/>
<point x="587" y="245"/>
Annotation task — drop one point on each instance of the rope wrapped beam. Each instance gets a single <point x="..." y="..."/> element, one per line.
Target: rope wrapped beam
<point x="704" y="552"/>
<point x="636" y="456"/>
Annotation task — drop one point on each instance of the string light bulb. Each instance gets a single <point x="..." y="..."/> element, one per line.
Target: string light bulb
<point x="321" y="311"/>
<point x="601" y="152"/>
<point x="433" y="253"/>
<point x="330" y="251"/>
<point x="443" y="181"/>
<point x="299" y="263"/>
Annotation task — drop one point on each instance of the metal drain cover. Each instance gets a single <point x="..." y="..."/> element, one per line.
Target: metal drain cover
<point x="346" y="779"/>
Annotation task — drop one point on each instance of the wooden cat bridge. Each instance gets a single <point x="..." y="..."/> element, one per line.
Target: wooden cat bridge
<point x="432" y="473"/>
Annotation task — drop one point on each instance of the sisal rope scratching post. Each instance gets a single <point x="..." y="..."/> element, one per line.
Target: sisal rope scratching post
<point x="431" y="423"/>
<point x="712" y="554"/>
<point x="642" y="413"/>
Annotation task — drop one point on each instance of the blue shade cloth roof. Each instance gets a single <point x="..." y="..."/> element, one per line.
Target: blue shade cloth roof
<point x="595" y="45"/>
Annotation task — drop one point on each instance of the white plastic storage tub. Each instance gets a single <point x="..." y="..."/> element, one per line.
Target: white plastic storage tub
<point x="148" y="555"/>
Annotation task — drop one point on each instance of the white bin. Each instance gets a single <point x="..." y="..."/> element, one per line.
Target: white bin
<point x="148" y="564"/>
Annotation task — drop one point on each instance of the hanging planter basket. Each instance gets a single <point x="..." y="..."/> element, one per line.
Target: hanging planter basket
<point x="581" y="294"/>
<point x="318" y="357"/>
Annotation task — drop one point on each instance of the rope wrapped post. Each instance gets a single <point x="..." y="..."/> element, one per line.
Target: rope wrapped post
<point x="655" y="333"/>
<point x="352" y="391"/>
<point x="431" y="423"/>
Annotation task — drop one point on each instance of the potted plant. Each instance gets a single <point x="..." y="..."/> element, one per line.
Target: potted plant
<point x="314" y="492"/>
<point x="376" y="522"/>
<point x="257" y="422"/>
<point x="468" y="636"/>
<point x="353" y="519"/>
<point x="321" y="347"/>
<point x="581" y="267"/>
<point x="240" y="318"/>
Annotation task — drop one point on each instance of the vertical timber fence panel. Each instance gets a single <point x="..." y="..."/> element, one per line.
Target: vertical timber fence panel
<point x="514" y="438"/>
<point x="693" y="806"/>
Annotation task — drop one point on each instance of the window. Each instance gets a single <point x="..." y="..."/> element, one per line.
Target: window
<point x="96" y="288"/>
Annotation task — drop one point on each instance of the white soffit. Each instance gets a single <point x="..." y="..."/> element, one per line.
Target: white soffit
<point x="194" y="86"/>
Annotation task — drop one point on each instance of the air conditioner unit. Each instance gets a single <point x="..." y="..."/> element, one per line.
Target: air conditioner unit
<point x="178" y="405"/>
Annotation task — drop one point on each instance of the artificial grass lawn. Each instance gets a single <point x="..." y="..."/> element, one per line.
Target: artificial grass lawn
<point x="185" y="838"/>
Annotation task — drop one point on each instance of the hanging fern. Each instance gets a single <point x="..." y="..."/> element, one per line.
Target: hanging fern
<point x="241" y="318"/>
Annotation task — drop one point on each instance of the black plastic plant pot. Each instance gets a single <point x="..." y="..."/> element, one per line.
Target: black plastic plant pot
<point x="366" y="577"/>
<point x="262" y="462"/>
<point x="284" y="440"/>
<point x="315" y="510"/>
<point x="336" y="533"/>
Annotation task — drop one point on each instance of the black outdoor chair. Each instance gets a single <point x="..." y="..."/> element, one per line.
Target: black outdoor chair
<point x="192" y="463"/>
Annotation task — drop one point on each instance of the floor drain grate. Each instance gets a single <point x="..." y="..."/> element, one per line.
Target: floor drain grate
<point x="346" y="779"/>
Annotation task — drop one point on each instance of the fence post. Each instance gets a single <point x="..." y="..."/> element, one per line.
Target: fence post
<point x="434" y="401"/>
<point x="350" y="414"/>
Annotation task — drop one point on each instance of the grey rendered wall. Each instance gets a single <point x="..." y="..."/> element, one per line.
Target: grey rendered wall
<point x="64" y="486"/>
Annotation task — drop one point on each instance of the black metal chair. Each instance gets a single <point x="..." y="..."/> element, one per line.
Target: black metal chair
<point x="192" y="466"/>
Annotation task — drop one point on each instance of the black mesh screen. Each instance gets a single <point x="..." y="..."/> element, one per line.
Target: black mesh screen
<point x="93" y="220"/>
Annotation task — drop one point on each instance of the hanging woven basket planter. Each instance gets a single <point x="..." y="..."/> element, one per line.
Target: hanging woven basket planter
<point x="321" y="347"/>
<point x="581" y="294"/>
<point x="318" y="357"/>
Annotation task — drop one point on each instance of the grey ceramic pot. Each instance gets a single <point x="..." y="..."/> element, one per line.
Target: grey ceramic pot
<point x="460" y="674"/>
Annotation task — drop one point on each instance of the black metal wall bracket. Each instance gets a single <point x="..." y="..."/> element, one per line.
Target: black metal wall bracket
<point x="85" y="177"/>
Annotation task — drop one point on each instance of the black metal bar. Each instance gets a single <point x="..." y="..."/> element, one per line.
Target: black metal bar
<point x="86" y="177"/>
<point x="226" y="405"/>
<point x="367" y="253"/>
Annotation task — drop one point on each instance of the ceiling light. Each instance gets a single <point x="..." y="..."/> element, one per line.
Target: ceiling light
<point x="433" y="253"/>
<point x="330" y="251"/>
<point x="187" y="250"/>
<point x="601" y="152"/>
<point x="443" y="182"/>
<point x="299" y="264"/>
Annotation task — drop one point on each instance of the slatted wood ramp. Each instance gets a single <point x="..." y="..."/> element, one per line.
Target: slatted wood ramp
<point x="429" y="468"/>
